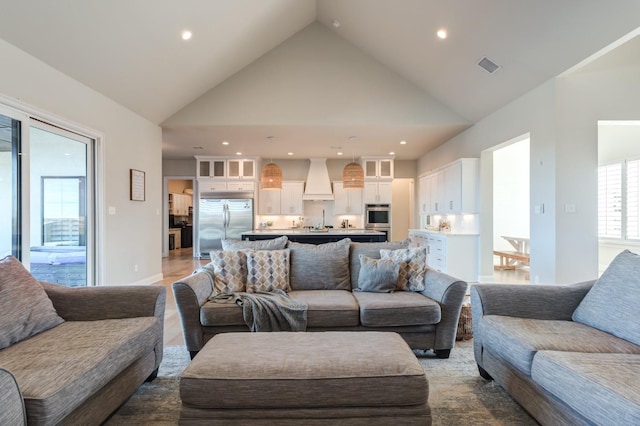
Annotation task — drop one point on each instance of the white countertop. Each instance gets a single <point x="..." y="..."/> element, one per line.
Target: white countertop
<point x="303" y="231"/>
<point x="433" y="231"/>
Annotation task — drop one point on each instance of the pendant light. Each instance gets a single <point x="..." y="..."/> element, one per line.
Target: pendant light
<point x="353" y="174"/>
<point x="271" y="176"/>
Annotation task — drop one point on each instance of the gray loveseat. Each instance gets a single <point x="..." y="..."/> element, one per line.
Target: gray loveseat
<point x="73" y="355"/>
<point x="325" y="277"/>
<point x="570" y="355"/>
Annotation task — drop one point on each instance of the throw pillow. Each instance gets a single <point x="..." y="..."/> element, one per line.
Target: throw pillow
<point x="25" y="308"/>
<point x="320" y="266"/>
<point x="377" y="275"/>
<point x="267" y="270"/>
<point x="229" y="270"/>
<point x="272" y="244"/>
<point x="371" y="250"/>
<point x="413" y="264"/>
<point x="612" y="303"/>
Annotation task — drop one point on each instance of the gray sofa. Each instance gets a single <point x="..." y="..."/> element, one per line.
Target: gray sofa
<point x="325" y="278"/>
<point x="570" y="355"/>
<point x="73" y="355"/>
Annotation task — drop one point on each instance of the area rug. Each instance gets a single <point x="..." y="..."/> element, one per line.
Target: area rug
<point x="457" y="394"/>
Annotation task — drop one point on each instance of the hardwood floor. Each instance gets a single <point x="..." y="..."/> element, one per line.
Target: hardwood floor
<point x="180" y="263"/>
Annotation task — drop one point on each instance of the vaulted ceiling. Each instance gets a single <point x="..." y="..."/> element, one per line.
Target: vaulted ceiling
<point x="318" y="76"/>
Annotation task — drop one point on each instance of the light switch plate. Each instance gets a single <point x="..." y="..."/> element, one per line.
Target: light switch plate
<point x="569" y="208"/>
<point x="112" y="210"/>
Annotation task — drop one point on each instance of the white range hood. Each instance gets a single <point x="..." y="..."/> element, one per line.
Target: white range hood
<point x="318" y="186"/>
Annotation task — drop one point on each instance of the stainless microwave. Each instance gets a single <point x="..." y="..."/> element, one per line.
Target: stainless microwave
<point x="377" y="216"/>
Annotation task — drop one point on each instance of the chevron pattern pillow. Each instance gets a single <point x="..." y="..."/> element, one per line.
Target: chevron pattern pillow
<point x="413" y="265"/>
<point x="229" y="270"/>
<point x="267" y="270"/>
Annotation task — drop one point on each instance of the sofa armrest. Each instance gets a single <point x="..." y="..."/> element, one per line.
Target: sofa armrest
<point x="191" y="293"/>
<point x="110" y="302"/>
<point x="449" y="292"/>
<point x="12" y="411"/>
<point x="545" y="302"/>
<point x="550" y="302"/>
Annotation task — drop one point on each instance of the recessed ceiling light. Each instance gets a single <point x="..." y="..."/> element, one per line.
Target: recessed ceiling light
<point x="403" y="142"/>
<point x="238" y="153"/>
<point x="335" y="23"/>
<point x="339" y="153"/>
<point x="441" y="33"/>
<point x="353" y="138"/>
<point x="198" y="147"/>
<point x="289" y="153"/>
<point x="186" y="35"/>
<point x="271" y="138"/>
<point x="392" y="153"/>
<point x="225" y="142"/>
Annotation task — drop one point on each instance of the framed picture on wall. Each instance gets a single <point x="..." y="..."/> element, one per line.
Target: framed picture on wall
<point x="136" y="185"/>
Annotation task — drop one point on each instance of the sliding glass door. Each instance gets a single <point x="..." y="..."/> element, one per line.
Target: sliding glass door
<point x="47" y="177"/>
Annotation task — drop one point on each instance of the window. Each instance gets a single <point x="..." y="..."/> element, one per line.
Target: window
<point x="619" y="200"/>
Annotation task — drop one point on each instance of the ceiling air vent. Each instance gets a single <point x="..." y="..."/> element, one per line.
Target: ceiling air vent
<point x="488" y="65"/>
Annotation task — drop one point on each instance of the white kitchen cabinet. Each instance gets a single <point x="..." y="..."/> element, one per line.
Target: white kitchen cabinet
<point x="377" y="167"/>
<point x="269" y="201"/>
<point x="377" y="192"/>
<point x="179" y="204"/>
<point x="347" y="201"/>
<point x="453" y="254"/>
<point x="243" y="186"/>
<point x="211" y="185"/>
<point x="211" y="167"/>
<point x="453" y="189"/>
<point x="291" y="201"/>
<point x="241" y="169"/>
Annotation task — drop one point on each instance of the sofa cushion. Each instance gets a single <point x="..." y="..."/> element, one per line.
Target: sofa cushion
<point x="377" y="275"/>
<point x="267" y="270"/>
<point x="321" y="266"/>
<point x="214" y="314"/>
<point x="516" y="340"/>
<point x="229" y="270"/>
<point x="371" y="250"/>
<point x="25" y="309"/>
<point x="271" y="244"/>
<point x="329" y="308"/>
<point x="396" y="309"/>
<point x="413" y="265"/>
<point x="603" y="388"/>
<point x="612" y="303"/>
<point x="57" y="370"/>
<point x="12" y="412"/>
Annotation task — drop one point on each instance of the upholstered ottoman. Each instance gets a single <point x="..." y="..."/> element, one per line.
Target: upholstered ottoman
<point x="346" y="378"/>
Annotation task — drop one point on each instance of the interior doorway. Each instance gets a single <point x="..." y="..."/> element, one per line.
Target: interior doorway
<point x="511" y="213"/>
<point x="179" y="214"/>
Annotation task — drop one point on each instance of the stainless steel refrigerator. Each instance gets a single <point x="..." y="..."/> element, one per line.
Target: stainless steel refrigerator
<point x="222" y="216"/>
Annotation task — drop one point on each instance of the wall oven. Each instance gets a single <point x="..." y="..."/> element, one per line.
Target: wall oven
<point x="378" y="217"/>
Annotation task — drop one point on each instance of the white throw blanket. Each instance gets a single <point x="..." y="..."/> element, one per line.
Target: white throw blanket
<point x="273" y="311"/>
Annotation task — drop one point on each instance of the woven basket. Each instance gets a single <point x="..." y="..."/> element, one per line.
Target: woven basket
<point x="465" y="330"/>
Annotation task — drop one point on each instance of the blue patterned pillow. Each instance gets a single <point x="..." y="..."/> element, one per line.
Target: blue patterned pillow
<point x="612" y="303"/>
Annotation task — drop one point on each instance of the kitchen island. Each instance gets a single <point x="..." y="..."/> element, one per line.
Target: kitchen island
<point x="310" y="236"/>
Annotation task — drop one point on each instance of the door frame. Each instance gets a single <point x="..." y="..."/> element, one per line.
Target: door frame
<point x="30" y="115"/>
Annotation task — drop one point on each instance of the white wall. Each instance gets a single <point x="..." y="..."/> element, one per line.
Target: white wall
<point x="133" y="235"/>
<point x="561" y="116"/>
<point x="534" y="112"/>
